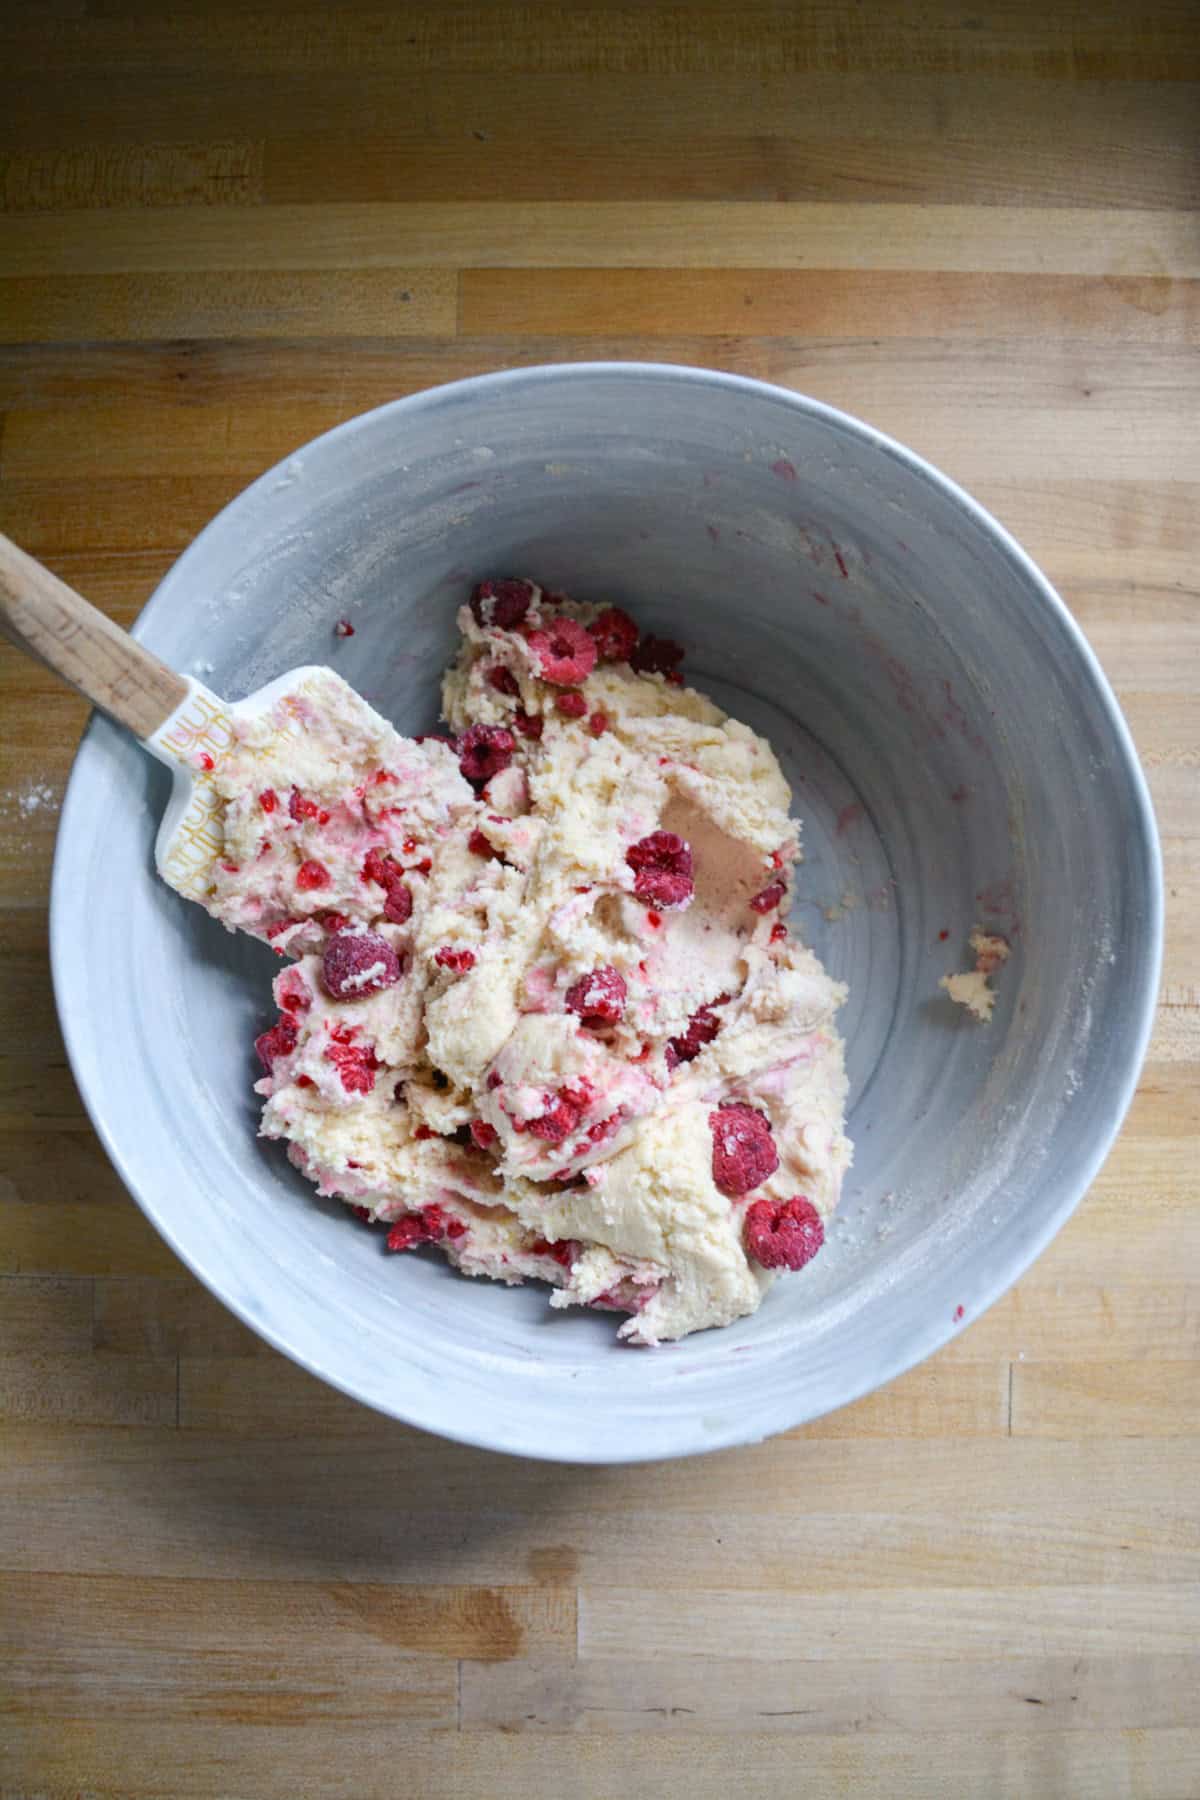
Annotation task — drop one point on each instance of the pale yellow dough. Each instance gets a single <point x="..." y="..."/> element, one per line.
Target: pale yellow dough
<point x="624" y="1210"/>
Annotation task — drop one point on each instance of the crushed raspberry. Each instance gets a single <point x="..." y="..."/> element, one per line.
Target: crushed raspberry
<point x="572" y="705"/>
<point x="776" y="859"/>
<point x="279" y="1041"/>
<point x="614" y="634"/>
<point x="502" y="679"/>
<point x="675" y="677"/>
<point x="656" y="656"/>
<point x="603" y="1128"/>
<point x="562" y="1116"/>
<point x="609" y="1301"/>
<point x="530" y="725"/>
<point x="205" y="761"/>
<point x="457" y="961"/>
<point x="483" y="750"/>
<point x="769" y="898"/>
<point x="566" y="653"/>
<point x="479" y="845"/>
<point x="292" y="992"/>
<point x="702" y="1028"/>
<point x="305" y="1081"/>
<point x="654" y="920"/>
<point x="565" y="1251"/>
<point x="598" y="998"/>
<point x="493" y="1080"/>
<point x="744" y="1152"/>
<point x="485" y="1135"/>
<point x="783" y="1234"/>
<point x="397" y="908"/>
<point x="423" y="1132"/>
<point x="428" y="1226"/>
<point x="424" y="866"/>
<point x="268" y="800"/>
<point x="778" y="932"/>
<point x="387" y="874"/>
<point x="358" y="963"/>
<point x="355" y="1063"/>
<point x="598" y="724"/>
<point x="301" y="807"/>
<point x="331" y="921"/>
<point x="662" y="865"/>
<point x="312" y="875"/>
<point x="363" y="1213"/>
<point x="343" y="628"/>
<point x="501" y="603"/>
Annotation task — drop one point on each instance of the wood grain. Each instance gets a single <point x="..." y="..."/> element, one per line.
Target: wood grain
<point x="222" y="231"/>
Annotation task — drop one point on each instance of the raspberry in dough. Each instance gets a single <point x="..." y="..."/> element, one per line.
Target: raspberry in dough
<point x="538" y="1011"/>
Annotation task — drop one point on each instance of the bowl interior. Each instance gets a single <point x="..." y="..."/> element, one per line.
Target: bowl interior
<point x="956" y="758"/>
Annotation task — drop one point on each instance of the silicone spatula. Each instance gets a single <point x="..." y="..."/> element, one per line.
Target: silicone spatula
<point x="176" y="718"/>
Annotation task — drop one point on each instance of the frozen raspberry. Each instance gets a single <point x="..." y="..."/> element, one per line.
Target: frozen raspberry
<point x="783" y="1234"/>
<point x="564" y="1252"/>
<point x="431" y="1225"/>
<point x="615" y="635"/>
<point x="301" y="807"/>
<point x="769" y="898"/>
<point x="386" y="873"/>
<point x="501" y="603"/>
<point x="311" y="875"/>
<point x="566" y="653"/>
<point x="407" y="1233"/>
<point x="479" y="845"/>
<point x="279" y="1041"/>
<point x="744" y="1152"/>
<point x="571" y="705"/>
<point x="656" y="655"/>
<point x="358" y="963"/>
<point x="598" y="724"/>
<point x="598" y="998"/>
<point x="457" y="961"/>
<point x="485" y="1135"/>
<point x="292" y="992"/>
<point x="562" y="1116"/>
<point x="483" y="750"/>
<point x="662" y="866"/>
<point x="441" y="1224"/>
<point x="530" y="725"/>
<point x="355" y="1063"/>
<point x="268" y="800"/>
<point x="502" y="679"/>
<point x="702" y="1028"/>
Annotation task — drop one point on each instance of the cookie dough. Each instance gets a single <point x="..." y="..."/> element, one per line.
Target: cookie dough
<point x="971" y="988"/>
<point x="542" y="1009"/>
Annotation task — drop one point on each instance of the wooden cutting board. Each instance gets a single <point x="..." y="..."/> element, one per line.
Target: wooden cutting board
<point x="227" y="227"/>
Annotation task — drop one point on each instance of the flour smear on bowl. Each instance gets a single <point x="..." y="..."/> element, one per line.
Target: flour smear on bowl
<point x="540" y="1008"/>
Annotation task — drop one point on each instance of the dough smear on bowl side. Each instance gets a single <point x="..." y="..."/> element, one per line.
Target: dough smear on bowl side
<point x="543" y="1011"/>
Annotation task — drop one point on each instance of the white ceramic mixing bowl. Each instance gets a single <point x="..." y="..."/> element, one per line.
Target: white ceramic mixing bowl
<point x="956" y="757"/>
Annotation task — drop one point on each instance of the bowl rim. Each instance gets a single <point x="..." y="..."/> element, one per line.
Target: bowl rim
<point x="919" y="1344"/>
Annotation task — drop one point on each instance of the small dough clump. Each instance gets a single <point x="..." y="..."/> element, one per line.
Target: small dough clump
<point x="971" y="988"/>
<point x="542" y="1010"/>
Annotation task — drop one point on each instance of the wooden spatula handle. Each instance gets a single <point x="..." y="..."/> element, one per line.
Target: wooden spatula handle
<point x="42" y="615"/>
